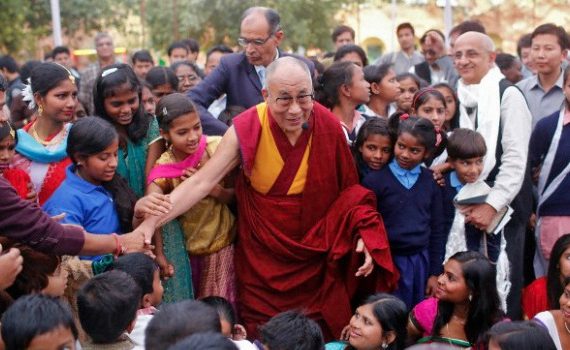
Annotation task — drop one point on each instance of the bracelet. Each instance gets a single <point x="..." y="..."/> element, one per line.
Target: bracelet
<point x="119" y="248"/>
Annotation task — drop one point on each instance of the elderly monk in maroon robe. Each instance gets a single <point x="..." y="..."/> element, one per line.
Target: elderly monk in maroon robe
<point x="309" y="236"/>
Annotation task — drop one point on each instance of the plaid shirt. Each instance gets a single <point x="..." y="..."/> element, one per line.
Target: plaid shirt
<point x="86" y="84"/>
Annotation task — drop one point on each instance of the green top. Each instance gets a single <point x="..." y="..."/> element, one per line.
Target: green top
<point x="444" y="340"/>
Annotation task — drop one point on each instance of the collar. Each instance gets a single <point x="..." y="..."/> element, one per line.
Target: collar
<point x="454" y="181"/>
<point x="259" y="68"/>
<point x="79" y="183"/>
<point x="398" y="170"/>
<point x="566" y="120"/>
<point x="559" y="82"/>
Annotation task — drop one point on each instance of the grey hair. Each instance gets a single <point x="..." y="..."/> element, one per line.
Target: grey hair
<point x="271" y="16"/>
<point x="286" y="61"/>
<point x="102" y="35"/>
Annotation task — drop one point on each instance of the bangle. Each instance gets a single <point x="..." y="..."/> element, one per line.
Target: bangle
<point x="119" y="248"/>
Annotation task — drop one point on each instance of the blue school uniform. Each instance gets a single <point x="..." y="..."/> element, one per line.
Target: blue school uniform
<point x="84" y="204"/>
<point x="473" y="236"/>
<point x="410" y="202"/>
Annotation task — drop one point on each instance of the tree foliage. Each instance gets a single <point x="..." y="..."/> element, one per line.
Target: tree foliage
<point x="306" y="22"/>
<point x="24" y="22"/>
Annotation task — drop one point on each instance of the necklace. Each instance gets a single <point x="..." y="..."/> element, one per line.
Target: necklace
<point x="40" y="140"/>
<point x="566" y="326"/>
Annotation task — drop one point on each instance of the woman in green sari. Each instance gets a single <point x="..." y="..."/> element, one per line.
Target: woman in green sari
<point x="465" y="306"/>
<point x="117" y="97"/>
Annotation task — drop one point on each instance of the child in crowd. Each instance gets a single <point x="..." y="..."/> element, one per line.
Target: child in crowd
<point x="430" y="104"/>
<point x="230" y="328"/>
<point x="38" y="322"/>
<point x="108" y="305"/>
<point x="379" y="323"/>
<point x="410" y="203"/>
<point x="373" y="146"/>
<point x="209" y="225"/>
<point x="146" y="274"/>
<point x="451" y="106"/>
<point x="342" y="89"/>
<point x="466" y="149"/>
<point x="188" y="75"/>
<point x="409" y="85"/>
<point x="550" y="160"/>
<point x="384" y="90"/>
<point x="148" y="100"/>
<point x="40" y="150"/>
<point x="117" y="95"/>
<point x="93" y="195"/>
<point x="163" y="81"/>
<point x="41" y="273"/>
<point x="177" y="321"/>
<point x="17" y="177"/>
<point x="291" y="330"/>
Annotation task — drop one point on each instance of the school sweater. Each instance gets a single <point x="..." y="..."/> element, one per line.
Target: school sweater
<point x="413" y="218"/>
<point x="559" y="203"/>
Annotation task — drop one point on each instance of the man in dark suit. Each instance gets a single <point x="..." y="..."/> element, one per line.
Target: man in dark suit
<point x="241" y="76"/>
<point x="437" y="67"/>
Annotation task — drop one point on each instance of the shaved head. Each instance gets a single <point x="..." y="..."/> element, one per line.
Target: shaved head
<point x="483" y="40"/>
<point x="473" y="56"/>
<point x="284" y="65"/>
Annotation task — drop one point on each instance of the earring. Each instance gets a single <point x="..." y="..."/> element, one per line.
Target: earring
<point x="384" y="345"/>
<point x="470" y="297"/>
<point x="40" y="110"/>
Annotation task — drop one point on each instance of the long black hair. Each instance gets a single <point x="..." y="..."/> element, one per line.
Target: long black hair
<point x="421" y="97"/>
<point x="420" y="128"/>
<point x="454" y="121"/>
<point x="92" y="135"/>
<point x="338" y="74"/>
<point x="392" y="315"/>
<point x="554" y="286"/>
<point x="109" y="82"/>
<point x="484" y="305"/>
<point x="373" y="126"/>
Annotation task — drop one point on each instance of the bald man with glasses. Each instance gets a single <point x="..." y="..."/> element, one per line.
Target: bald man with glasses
<point x="241" y="76"/>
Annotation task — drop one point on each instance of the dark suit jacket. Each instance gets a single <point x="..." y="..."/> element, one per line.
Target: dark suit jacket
<point x="236" y="78"/>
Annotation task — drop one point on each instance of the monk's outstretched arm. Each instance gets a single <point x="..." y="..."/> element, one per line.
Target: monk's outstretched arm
<point x="199" y="185"/>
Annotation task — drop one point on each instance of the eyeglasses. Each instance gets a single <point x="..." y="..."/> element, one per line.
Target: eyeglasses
<point x="287" y="101"/>
<point x="243" y="42"/>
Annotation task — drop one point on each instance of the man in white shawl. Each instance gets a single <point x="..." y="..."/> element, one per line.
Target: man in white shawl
<point x="502" y="116"/>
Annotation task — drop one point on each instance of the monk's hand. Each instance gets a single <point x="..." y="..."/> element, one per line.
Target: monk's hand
<point x="156" y="204"/>
<point x="480" y="215"/>
<point x="368" y="265"/>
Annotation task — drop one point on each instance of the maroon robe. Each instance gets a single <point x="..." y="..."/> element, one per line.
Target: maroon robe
<point x="297" y="251"/>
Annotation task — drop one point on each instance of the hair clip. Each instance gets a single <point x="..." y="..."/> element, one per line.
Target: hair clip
<point x="164" y="112"/>
<point x="404" y="116"/>
<point x="108" y="71"/>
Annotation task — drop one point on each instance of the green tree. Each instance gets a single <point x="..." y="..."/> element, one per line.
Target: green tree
<point x="24" y="22"/>
<point x="306" y="23"/>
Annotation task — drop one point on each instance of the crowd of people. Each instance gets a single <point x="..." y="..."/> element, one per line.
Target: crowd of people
<point x="278" y="202"/>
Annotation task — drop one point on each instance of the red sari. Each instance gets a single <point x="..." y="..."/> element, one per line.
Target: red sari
<point x="297" y="234"/>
